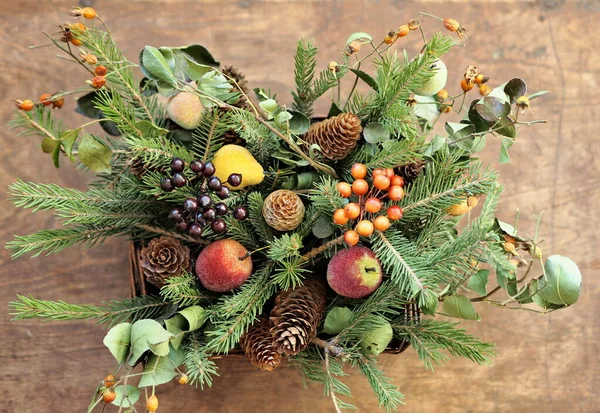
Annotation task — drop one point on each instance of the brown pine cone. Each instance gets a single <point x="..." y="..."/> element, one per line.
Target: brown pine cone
<point x="411" y="171"/>
<point x="163" y="258"/>
<point x="231" y="72"/>
<point x="137" y="166"/>
<point x="336" y="136"/>
<point x="283" y="210"/>
<point x="296" y="316"/>
<point x="257" y="344"/>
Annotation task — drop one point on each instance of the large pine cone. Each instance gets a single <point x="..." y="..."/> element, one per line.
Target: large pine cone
<point x="337" y="136"/>
<point x="163" y="258"/>
<point x="283" y="210"/>
<point x="233" y="73"/>
<point x="257" y="344"/>
<point x="296" y="316"/>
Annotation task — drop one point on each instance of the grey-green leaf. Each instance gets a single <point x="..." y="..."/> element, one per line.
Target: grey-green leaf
<point x="459" y="306"/>
<point x="195" y="316"/>
<point x="562" y="281"/>
<point x="94" y="154"/>
<point x="160" y="370"/>
<point x="478" y="282"/>
<point x="117" y="340"/>
<point x="375" y="132"/>
<point x="323" y="227"/>
<point x="143" y="334"/>
<point x="126" y="397"/>
<point x="155" y="66"/>
<point x="337" y="320"/>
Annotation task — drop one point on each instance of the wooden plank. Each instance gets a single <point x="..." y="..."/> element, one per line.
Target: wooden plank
<point x="545" y="364"/>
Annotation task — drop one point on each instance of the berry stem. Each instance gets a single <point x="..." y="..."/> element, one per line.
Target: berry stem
<point x="318" y="250"/>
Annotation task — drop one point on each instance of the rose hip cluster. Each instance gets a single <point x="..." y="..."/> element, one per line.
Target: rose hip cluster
<point x="385" y="185"/>
<point x="199" y="212"/>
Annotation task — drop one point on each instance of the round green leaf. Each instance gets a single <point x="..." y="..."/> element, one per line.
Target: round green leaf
<point x="375" y="132"/>
<point x="299" y="123"/>
<point x="155" y="66"/>
<point x="323" y="227"/>
<point x="118" y="341"/>
<point x="360" y="36"/>
<point x="337" y="320"/>
<point x="126" y="397"/>
<point x="562" y="281"/>
<point x="460" y="306"/>
<point x="94" y="154"/>
<point x="145" y="333"/>
<point x="478" y="282"/>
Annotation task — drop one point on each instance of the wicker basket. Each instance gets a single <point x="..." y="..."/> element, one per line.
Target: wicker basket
<point x="138" y="287"/>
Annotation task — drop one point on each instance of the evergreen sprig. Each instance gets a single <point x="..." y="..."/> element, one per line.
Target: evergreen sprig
<point x="390" y="398"/>
<point x="183" y="291"/>
<point x="304" y="72"/>
<point x="198" y="366"/>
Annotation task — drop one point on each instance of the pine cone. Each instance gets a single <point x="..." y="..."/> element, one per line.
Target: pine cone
<point x="163" y="258"/>
<point x="296" y="316"/>
<point x="136" y="166"/>
<point x="337" y="136"/>
<point x="411" y="171"/>
<point x="233" y="73"/>
<point x="257" y="344"/>
<point x="283" y="210"/>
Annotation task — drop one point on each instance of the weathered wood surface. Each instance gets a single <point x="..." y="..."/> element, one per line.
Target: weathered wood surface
<point x="545" y="363"/>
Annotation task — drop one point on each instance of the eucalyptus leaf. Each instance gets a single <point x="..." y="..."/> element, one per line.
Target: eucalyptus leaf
<point x="437" y="143"/>
<point x="360" y="36"/>
<point x="538" y="94"/>
<point x="426" y="108"/>
<point x="504" y="147"/>
<point x="375" y="132"/>
<point x="199" y="54"/>
<point x="478" y="282"/>
<point x="334" y="110"/>
<point x="126" y="397"/>
<point x="195" y="70"/>
<point x="323" y="227"/>
<point x="155" y="66"/>
<point x="195" y="315"/>
<point x="213" y="84"/>
<point x="269" y="105"/>
<point x="299" y="123"/>
<point x="149" y="128"/>
<point x="117" y="340"/>
<point x="143" y="334"/>
<point x="506" y="127"/>
<point x="158" y="370"/>
<point x="459" y="306"/>
<point x="492" y="108"/>
<point x="49" y="145"/>
<point x="67" y="140"/>
<point x="176" y="325"/>
<point x="160" y="349"/>
<point x="515" y="88"/>
<point x="561" y="283"/>
<point x="365" y="77"/>
<point x="148" y="87"/>
<point x="94" y="154"/>
<point x="337" y="320"/>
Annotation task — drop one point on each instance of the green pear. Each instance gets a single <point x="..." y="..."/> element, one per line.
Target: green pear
<point x="186" y="110"/>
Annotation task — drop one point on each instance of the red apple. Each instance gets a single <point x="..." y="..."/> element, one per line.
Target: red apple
<point x="354" y="272"/>
<point x="223" y="265"/>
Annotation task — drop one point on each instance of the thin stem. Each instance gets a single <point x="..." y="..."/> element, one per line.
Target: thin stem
<point x="318" y="250"/>
<point x="331" y="392"/>
<point x="353" y="88"/>
<point x="161" y="231"/>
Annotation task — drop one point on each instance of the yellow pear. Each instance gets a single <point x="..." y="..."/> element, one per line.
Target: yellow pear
<point x="234" y="159"/>
<point x="186" y="110"/>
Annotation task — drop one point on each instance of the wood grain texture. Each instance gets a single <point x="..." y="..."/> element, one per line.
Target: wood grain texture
<point x="546" y="364"/>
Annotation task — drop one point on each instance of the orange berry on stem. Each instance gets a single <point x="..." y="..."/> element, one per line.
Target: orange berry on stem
<point x="46" y="99"/>
<point x="485" y="90"/>
<point x="78" y="27"/>
<point x="58" y="103"/>
<point x="339" y="217"/>
<point x="76" y="42"/>
<point x="373" y="205"/>
<point x="109" y="381"/>
<point x="101" y="70"/>
<point x="480" y="79"/>
<point x="345" y="189"/>
<point x="183" y="378"/>
<point x="377" y="172"/>
<point x="442" y="95"/>
<point x="152" y="403"/>
<point x="397" y="180"/>
<point x="451" y="24"/>
<point x="390" y="37"/>
<point x="358" y="171"/>
<point x="98" y="81"/>
<point x="403" y="30"/>
<point x="396" y="193"/>
<point x="365" y="228"/>
<point x="381" y="182"/>
<point x="352" y="210"/>
<point x="109" y="396"/>
<point x="394" y="213"/>
<point x="360" y="187"/>
<point x="389" y="172"/>
<point x="381" y="223"/>
<point x="25" y="105"/>
<point x="465" y="85"/>
<point x="88" y="12"/>
<point x="351" y="238"/>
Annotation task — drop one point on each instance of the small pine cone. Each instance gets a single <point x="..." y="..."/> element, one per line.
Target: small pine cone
<point x="411" y="171"/>
<point x="283" y="210"/>
<point x="257" y="344"/>
<point x="163" y="258"/>
<point x="296" y="316"/>
<point x="336" y="136"/>
<point x="233" y="73"/>
<point x="137" y="167"/>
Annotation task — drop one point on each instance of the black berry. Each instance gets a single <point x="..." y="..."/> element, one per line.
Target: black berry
<point x="191" y="205"/>
<point x="179" y="180"/>
<point x="176" y="215"/>
<point x="166" y="184"/>
<point x="204" y="201"/>
<point x="182" y="226"/>
<point x="209" y="214"/>
<point x="177" y="165"/>
<point x="235" y="180"/>
<point x="209" y="169"/>
<point x="218" y="226"/>
<point x="223" y="192"/>
<point x="195" y="230"/>
<point x="214" y="184"/>
<point x="201" y="221"/>
<point x="221" y="208"/>
<point x="240" y="213"/>
<point x="197" y="166"/>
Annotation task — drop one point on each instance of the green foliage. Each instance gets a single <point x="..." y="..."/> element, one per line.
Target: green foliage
<point x="199" y="368"/>
<point x="183" y="290"/>
<point x="388" y="394"/>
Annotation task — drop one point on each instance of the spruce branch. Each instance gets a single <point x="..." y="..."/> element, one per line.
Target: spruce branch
<point x="208" y="136"/>
<point x="256" y="218"/>
<point x="199" y="368"/>
<point x="183" y="291"/>
<point x="390" y="398"/>
<point x="304" y="72"/>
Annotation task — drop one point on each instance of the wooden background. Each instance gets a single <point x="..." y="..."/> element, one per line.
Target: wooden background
<point x="545" y="363"/>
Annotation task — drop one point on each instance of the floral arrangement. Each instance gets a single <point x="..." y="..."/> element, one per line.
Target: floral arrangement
<point x="265" y="230"/>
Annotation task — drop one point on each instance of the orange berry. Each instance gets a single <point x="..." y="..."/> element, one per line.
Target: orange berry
<point x="353" y="48"/>
<point x="46" y="99"/>
<point x="442" y="95"/>
<point x="88" y="12"/>
<point x="78" y="27"/>
<point x="183" y="379"/>
<point x="373" y="205"/>
<point x="403" y="30"/>
<point x="378" y="171"/>
<point x="101" y="70"/>
<point x="345" y="189"/>
<point x="152" y="403"/>
<point x="58" y="103"/>
<point x="75" y="42"/>
<point x="484" y="90"/>
<point x="351" y="238"/>
<point x="381" y="182"/>
<point x="465" y="85"/>
<point x="397" y="180"/>
<point x="109" y="396"/>
<point x="381" y="223"/>
<point x="389" y="172"/>
<point x="358" y="171"/>
<point x="480" y="79"/>
<point x="352" y="210"/>
<point x="394" y="213"/>
<point x="89" y="58"/>
<point x="98" y="81"/>
<point x="339" y="217"/>
<point x="365" y="228"/>
<point x="451" y="24"/>
<point x="390" y="37"/>
<point x="446" y="109"/>
<point x="109" y="381"/>
<point x="25" y="105"/>
<point x="360" y="187"/>
<point x="396" y="193"/>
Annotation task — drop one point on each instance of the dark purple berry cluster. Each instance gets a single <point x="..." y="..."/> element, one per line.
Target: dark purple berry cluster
<point x="201" y="211"/>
